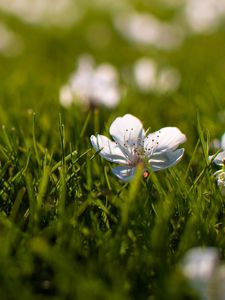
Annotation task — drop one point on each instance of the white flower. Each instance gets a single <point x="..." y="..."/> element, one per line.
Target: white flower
<point x="150" y="78"/>
<point x="146" y="29"/>
<point x="145" y="74"/>
<point x="220" y="174"/>
<point x="131" y="147"/>
<point x="168" y="80"/>
<point x="219" y="160"/>
<point x="199" y="263"/>
<point x="204" y="15"/>
<point x="92" y="86"/>
<point x="199" y="266"/>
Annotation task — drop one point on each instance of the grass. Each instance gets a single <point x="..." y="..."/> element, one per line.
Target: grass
<point x="69" y="229"/>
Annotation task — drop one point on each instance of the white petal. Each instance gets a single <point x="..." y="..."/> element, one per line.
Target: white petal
<point x="167" y="138"/>
<point x="223" y="141"/>
<point x="110" y="150"/>
<point x="124" y="173"/>
<point x="166" y="159"/>
<point x="127" y="131"/>
<point x="219" y="159"/>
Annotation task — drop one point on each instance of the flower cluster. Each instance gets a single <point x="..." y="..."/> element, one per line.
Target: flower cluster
<point x="132" y="146"/>
<point x="91" y="86"/>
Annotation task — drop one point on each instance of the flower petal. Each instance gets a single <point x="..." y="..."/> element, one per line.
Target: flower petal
<point x="167" y="138"/>
<point x="166" y="159"/>
<point x="124" y="173"/>
<point x="110" y="150"/>
<point x="223" y="141"/>
<point x="127" y="131"/>
<point x="219" y="159"/>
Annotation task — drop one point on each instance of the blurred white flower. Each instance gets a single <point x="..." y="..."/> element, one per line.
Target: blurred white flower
<point x="132" y="147"/>
<point x="168" y="80"/>
<point x="46" y="12"/>
<point x="10" y="43"/>
<point x="145" y="74"/>
<point x="204" y="15"/>
<point x="146" y="29"/>
<point x="199" y="266"/>
<point x="92" y="86"/>
<point x="150" y="78"/>
<point x="220" y="174"/>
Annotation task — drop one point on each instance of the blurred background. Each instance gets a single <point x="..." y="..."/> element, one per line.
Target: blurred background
<point x="167" y="54"/>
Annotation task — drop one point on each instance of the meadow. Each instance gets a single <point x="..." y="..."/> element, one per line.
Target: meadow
<point x="69" y="228"/>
